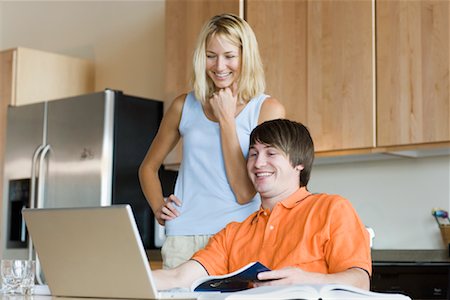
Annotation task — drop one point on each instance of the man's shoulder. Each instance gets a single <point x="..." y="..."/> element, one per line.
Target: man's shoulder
<point x="324" y="199"/>
<point x="246" y="222"/>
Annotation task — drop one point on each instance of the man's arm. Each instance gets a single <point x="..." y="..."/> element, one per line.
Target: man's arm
<point x="182" y="276"/>
<point x="354" y="276"/>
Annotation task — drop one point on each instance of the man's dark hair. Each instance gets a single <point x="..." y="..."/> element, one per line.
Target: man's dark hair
<point x="292" y="138"/>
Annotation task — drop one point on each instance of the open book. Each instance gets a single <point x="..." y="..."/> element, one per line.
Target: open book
<point x="236" y="281"/>
<point x="309" y="292"/>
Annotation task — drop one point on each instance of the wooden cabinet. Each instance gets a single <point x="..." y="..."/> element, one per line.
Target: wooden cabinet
<point x="281" y="31"/>
<point x="364" y="76"/>
<point x="184" y="20"/>
<point x="318" y="58"/>
<point x="413" y="50"/>
<point x="30" y="76"/>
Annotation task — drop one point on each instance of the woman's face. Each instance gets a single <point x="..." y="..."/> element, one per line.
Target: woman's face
<point x="223" y="62"/>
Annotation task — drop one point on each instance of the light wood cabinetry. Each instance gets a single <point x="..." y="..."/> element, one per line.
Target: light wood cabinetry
<point x="184" y="20"/>
<point x="318" y="62"/>
<point x="36" y="76"/>
<point x="281" y="31"/>
<point x="413" y="83"/>
<point x="365" y="76"/>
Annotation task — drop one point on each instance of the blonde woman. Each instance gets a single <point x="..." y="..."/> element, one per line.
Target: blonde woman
<point x="215" y="121"/>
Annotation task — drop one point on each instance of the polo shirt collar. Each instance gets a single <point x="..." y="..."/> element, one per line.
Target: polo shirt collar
<point x="295" y="198"/>
<point x="290" y="201"/>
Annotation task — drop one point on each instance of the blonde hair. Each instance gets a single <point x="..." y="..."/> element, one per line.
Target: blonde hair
<point x="237" y="31"/>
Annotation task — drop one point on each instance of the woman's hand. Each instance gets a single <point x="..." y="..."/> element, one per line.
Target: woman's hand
<point x="223" y="104"/>
<point x="168" y="211"/>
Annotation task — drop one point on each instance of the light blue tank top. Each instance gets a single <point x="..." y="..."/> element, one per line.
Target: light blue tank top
<point x="208" y="201"/>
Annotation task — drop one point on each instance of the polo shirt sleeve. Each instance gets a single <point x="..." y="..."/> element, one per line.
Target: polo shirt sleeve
<point x="348" y="245"/>
<point x="215" y="256"/>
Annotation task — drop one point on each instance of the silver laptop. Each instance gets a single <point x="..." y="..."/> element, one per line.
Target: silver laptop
<point x="93" y="252"/>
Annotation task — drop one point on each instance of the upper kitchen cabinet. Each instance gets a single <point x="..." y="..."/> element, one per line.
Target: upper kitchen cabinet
<point x="281" y="31"/>
<point x="318" y="58"/>
<point x="30" y="76"/>
<point x="184" y="20"/>
<point x="413" y="67"/>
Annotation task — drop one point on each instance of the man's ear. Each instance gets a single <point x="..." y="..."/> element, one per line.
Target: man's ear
<point x="299" y="167"/>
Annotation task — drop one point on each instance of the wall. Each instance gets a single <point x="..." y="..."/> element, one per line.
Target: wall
<point x="124" y="38"/>
<point x="126" y="41"/>
<point x="394" y="197"/>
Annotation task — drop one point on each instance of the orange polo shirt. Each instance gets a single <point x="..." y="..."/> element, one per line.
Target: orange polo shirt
<point x="315" y="232"/>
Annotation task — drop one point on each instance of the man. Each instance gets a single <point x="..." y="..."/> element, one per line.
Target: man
<point x="304" y="238"/>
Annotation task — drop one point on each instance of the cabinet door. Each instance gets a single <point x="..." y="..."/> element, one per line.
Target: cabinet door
<point x="318" y="62"/>
<point x="184" y="20"/>
<point x="280" y="28"/>
<point x="40" y="76"/>
<point x="5" y="90"/>
<point x="413" y="72"/>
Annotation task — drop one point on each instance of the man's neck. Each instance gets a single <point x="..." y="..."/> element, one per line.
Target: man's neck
<point x="269" y="201"/>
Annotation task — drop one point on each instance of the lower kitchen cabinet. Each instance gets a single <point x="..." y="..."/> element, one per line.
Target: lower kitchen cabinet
<point x="421" y="274"/>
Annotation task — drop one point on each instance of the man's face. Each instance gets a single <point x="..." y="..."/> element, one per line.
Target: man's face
<point x="271" y="172"/>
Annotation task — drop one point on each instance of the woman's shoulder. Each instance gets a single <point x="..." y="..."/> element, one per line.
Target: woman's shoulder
<point x="178" y="103"/>
<point x="179" y="100"/>
<point x="271" y="108"/>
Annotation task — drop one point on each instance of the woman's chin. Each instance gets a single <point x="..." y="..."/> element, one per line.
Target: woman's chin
<point x="222" y="84"/>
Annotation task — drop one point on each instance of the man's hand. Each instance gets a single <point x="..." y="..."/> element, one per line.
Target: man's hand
<point x="292" y="275"/>
<point x="288" y="276"/>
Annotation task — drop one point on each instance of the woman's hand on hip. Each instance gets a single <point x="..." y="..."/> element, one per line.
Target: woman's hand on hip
<point x="168" y="211"/>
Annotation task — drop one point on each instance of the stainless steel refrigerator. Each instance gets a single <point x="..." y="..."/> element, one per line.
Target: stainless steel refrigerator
<point x="76" y="152"/>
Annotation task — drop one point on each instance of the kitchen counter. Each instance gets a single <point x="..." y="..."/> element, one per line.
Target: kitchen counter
<point x="421" y="274"/>
<point x="410" y="256"/>
<point x="154" y="256"/>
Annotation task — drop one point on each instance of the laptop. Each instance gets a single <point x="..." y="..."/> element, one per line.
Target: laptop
<point x="94" y="252"/>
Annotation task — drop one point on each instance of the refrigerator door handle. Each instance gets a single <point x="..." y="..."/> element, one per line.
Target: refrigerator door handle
<point x="39" y="204"/>
<point x="36" y="154"/>
<point x="32" y="203"/>
<point x="41" y="177"/>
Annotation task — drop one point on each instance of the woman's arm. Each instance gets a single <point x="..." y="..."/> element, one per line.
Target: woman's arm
<point x="224" y="107"/>
<point x="164" y="141"/>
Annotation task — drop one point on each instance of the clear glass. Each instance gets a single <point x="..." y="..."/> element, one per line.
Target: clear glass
<point x="18" y="276"/>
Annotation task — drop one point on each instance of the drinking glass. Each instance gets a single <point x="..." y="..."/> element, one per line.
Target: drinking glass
<point x="17" y="276"/>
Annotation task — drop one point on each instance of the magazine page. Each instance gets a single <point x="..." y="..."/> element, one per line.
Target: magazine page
<point x="273" y="292"/>
<point x="236" y="281"/>
<point x="340" y="291"/>
<point x="305" y="292"/>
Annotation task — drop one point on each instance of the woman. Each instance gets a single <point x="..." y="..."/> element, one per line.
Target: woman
<point x="215" y="121"/>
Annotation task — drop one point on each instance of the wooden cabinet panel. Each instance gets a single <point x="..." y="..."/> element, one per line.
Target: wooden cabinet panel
<point x="184" y="20"/>
<point x="319" y="63"/>
<point x="280" y="28"/>
<point x="5" y="82"/>
<point x="36" y="76"/>
<point x="413" y="66"/>
<point x="340" y="74"/>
